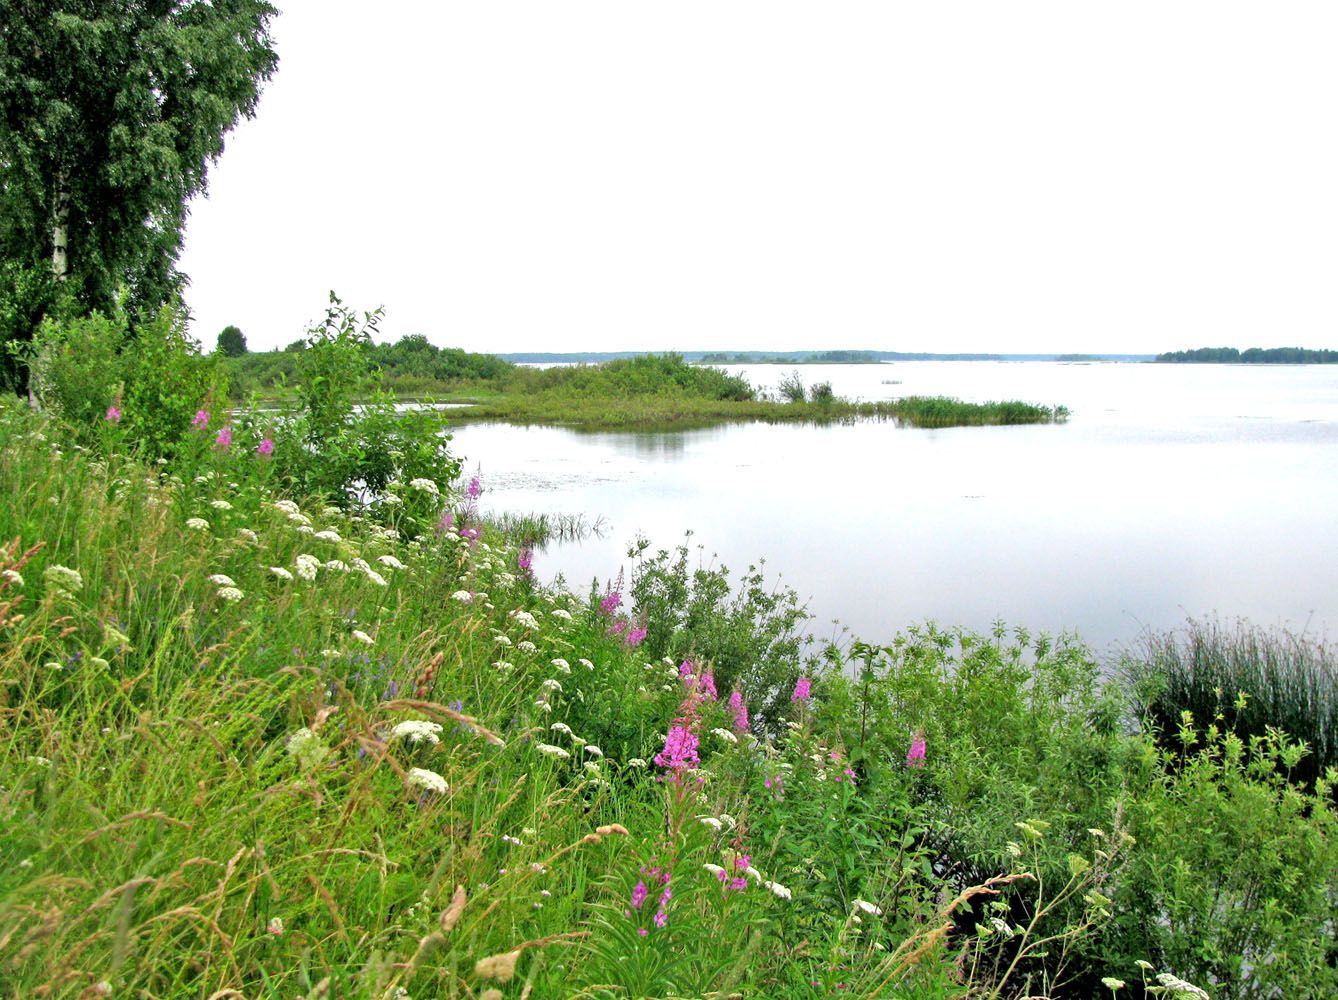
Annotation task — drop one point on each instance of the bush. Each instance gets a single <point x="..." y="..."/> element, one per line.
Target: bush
<point x="791" y="388"/>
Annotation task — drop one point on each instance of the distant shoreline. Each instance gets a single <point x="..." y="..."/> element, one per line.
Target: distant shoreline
<point x="805" y="357"/>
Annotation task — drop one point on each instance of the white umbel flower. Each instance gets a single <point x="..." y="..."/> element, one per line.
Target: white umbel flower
<point x="281" y="573"/>
<point x="328" y="536"/>
<point x="220" y="505"/>
<point x="285" y="506"/>
<point x="390" y="561"/>
<point x="421" y="777"/>
<point x="779" y="890"/>
<point x="562" y="665"/>
<point x="549" y="750"/>
<point x="338" y="565"/>
<point x="361" y="636"/>
<point x="11" y="576"/>
<point x="248" y="535"/>
<point x="562" y="613"/>
<point x="220" y="580"/>
<point x="197" y="524"/>
<point x="463" y="596"/>
<point x="230" y="594"/>
<point x="416" y="731"/>
<point x="867" y="907"/>
<point x="426" y="485"/>
<point x="307" y="565"/>
<point x="525" y="646"/>
<point x="725" y="735"/>
<point x="524" y="618"/>
<point x="376" y="577"/>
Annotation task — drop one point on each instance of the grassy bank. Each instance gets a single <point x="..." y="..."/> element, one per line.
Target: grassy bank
<point x="255" y="743"/>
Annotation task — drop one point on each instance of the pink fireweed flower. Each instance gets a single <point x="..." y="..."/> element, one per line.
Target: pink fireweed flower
<point x="635" y="637"/>
<point x="611" y="602"/>
<point x="114" y="413"/>
<point x="740" y="711"/>
<point x="266" y="447"/>
<point x="680" y="748"/>
<point x="474" y="488"/>
<point x="201" y="419"/>
<point x="802" y="688"/>
<point x="525" y="562"/>
<point x="224" y="439"/>
<point x="916" y="756"/>
<point x="444" y="525"/>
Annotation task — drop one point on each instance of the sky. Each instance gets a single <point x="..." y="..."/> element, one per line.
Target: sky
<point x="599" y="175"/>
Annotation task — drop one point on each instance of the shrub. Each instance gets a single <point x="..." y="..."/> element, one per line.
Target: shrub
<point x="791" y="388"/>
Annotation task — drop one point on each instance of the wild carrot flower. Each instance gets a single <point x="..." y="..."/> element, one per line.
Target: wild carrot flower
<point x="390" y="561"/>
<point x="63" y="580"/>
<point x="281" y="573"/>
<point x="362" y="636"/>
<point x="197" y="524"/>
<point x="248" y="535"/>
<point x="230" y="594"/>
<point x="916" y="756"/>
<point x="220" y="580"/>
<point x="328" y="536"/>
<point x="376" y="578"/>
<point x="552" y="751"/>
<point x="266" y="447"/>
<point x="429" y="780"/>
<point x="223" y="441"/>
<point x="802" y="688"/>
<point x="114" y="414"/>
<point x="307" y="565"/>
<point x="220" y="505"/>
<point x="416" y="731"/>
<point x="426" y="485"/>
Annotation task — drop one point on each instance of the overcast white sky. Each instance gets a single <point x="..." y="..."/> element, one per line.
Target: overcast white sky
<point x="513" y="175"/>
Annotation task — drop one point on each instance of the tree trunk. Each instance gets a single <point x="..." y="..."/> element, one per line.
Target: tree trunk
<point x="60" y="267"/>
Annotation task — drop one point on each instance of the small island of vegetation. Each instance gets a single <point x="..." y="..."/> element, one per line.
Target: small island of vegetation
<point x="1251" y="356"/>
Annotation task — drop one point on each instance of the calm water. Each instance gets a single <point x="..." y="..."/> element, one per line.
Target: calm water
<point x="1172" y="491"/>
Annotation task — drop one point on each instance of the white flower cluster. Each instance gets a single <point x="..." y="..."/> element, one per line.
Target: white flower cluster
<point x="220" y="580"/>
<point x="562" y="665"/>
<point x="248" y="535"/>
<point x="281" y="573"/>
<point x="12" y="576"/>
<point x="562" y="613"/>
<point x="286" y="507"/>
<point x="390" y="561"/>
<point x="416" y="731"/>
<point x="361" y="636"/>
<point x="725" y="735"/>
<point x="429" y="780"/>
<point x="338" y="565"/>
<point x="220" y="505"/>
<point x="230" y="594"/>
<point x="525" y="619"/>
<point x="307" y="565"/>
<point x="463" y="596"/>
<point x="197" y="524"/>
<point x="426" y="485"/>
<point x="552" y="751"/>
<point x="328" y="536"/>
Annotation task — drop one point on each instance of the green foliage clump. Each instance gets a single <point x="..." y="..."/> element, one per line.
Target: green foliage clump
<point x="231" y="342"/>
<point x="1245" y="680"/>
<point x="754" y="634"/>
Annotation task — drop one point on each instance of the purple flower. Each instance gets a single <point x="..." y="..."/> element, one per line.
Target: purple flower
<point x="635" y="637"/>
<point x="680" y="749"/>
<point x="114" y="413"/>
<point x="801" y="690"/>
<point x="661" y="918"/>
<point x="224" y="439"/>
<point x="201" y="419"/>
<point x="266" y="447"/>
<point x="445" y="523"/>
<point x="525" y="562"/>
<point x="916" y="756"/>
<point x="740" y="711"/>
<point x="474" y="488"/>
<point x="639" y="894"/>
<point x="611" y="602"/>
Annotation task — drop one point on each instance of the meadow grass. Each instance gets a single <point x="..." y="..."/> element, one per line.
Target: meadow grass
<point x="253" y="745"/>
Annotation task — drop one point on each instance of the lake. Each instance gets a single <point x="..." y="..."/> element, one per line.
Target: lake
<point x="1172" y="491"/>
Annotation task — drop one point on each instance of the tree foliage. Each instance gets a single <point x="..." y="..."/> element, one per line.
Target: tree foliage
<point x="231" y="342"/>
<point x="111" y="112"/>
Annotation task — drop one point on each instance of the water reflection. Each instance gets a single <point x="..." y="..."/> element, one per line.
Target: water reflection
<point x="1172" y="490"/>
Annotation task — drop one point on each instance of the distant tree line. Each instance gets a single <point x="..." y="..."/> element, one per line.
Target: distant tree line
<point x="1252" y="356"/>
<point x="816" y="358"/>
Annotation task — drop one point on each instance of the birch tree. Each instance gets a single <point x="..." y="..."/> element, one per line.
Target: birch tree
<point x="111" y="112"/>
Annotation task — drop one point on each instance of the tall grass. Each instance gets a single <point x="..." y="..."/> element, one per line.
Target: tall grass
<point x="1243" y="679"/>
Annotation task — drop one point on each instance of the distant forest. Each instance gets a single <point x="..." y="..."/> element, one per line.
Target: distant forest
<point x="1252" y="356"/>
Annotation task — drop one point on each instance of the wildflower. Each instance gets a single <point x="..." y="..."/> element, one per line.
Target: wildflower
<point x="416" y="731"/>
<point x="248" y="535"/>
<point x="298" y="518"/>
<point x="593" y="750"/>
<point x="429" y="780"/>
<point x="275" y="926"/>
<point x="916" y="756"/>
<point x="390" y="500"/>
<point x="715" y="870"/>
<point x="637" y="762"/>
<point x="536" y="867"/>
<point x="512" y="840"/>
<point x="725" y="735"/>
<point x="230" y="594"/>
<point x="740" y="711"/>
<point x="12" y="576"/>
<point x="197" y="524"/>
<point x="1111" y="983"/>
<point x="426" y="485"/>
<point x="561" y="727"/>
<point x="524" y="618"/>
<point x="552" y="751"/>
<point x="474" y="488"/>
<point x="551" y="685"/>
<point x="779" y="890"/>
<point x="286" y="507"/>
<point x="866" y="906"/>
<point x="635" y="636"/>
<point x="201" y="419"/>
<point x="307" y="747"/>
<point x="218" y="579"/>
<point x="305" y="529"/>
<point x="525" y="646"/>
<point x="307" y="565"/>
<point x="503" y="665"/>
<point x="562" y="613"/>
<point x="802" y="688"/>
<point x="1178" y="987"/>
<point x="390" y="561"/>
<point x="501" y="640"/>
<point x="611" y="602"/>
<point x="337" y="564"/>
<point x="562" y="665"/>
<point x="463" y="596"/>
<point x="711" y="821"/>
<point x="361" y="636"/>
<point x="680" y="749"/>
<point x="265" y="447"/>
<point x="281" y="573"/>
<point x="223" y="441"/>
<point x="375" y="577"/>
<point x="328" y="536"/>
<point x="525" y="561"/>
